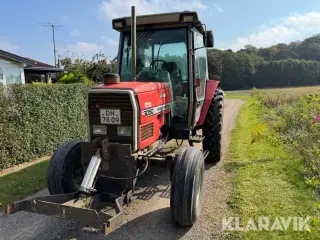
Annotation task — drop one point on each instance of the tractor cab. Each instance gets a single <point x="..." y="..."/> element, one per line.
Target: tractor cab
<point x="170" y="48"/>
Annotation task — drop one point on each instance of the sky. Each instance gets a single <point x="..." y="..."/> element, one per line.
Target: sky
<point x="85" y="25"/>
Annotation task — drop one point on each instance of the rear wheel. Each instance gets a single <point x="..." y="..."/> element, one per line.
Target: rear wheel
<point x="186" y="187"/>
<point x="65" y="173"/>
<point x="212" y="128"/>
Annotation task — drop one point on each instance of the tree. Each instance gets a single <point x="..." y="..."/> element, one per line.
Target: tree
<point x="98" y="67"/>
<point x="309" y="51"/>
<point x="285" y="54"/>
<point x="267" y="53"/>
<point x="93" y="69"/>
<point x="214" y="64"/>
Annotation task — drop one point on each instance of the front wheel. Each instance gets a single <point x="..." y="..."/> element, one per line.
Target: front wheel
<point x="65" y="174"/>
<point x="187" y="186"/>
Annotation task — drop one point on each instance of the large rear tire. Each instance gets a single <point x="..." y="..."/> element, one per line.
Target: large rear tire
<point x="186" y="187"/>
<point x="212" y="128"/>
<point x="64" y="174"/>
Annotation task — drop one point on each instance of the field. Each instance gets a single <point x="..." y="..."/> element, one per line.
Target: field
<point x="293" y="90"/>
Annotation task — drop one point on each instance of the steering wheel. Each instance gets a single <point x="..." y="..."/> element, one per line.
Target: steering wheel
<point x="159" y="60"/>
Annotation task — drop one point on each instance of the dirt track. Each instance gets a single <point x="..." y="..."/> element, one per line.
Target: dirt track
<point x="148" y="217"/>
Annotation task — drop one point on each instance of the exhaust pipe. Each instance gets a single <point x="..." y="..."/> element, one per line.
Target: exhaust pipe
<point x="133" y="42"/>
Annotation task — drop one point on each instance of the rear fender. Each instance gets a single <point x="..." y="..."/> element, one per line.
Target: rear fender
<point x="210" y="90"/>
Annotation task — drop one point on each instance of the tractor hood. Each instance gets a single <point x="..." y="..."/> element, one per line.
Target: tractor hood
<point x="137" y="87"/>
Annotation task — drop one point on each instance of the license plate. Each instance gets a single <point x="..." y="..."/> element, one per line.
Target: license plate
<point x="110" y="116"/>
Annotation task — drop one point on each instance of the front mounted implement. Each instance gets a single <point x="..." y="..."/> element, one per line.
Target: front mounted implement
<point x="99" y="201"/>
<point x="94" y="211"/>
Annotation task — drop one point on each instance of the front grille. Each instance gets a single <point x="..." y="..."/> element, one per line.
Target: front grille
<point x="146" y="131"/>
<point x="112" y="101"/>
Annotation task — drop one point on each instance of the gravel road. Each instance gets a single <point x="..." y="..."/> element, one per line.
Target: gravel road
<point x="148" y="217"/>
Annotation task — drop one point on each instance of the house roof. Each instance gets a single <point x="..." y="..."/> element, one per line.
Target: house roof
<point x="14" y="57"/>
<point x="39" y="64"/>
<point x="31" y="64"/>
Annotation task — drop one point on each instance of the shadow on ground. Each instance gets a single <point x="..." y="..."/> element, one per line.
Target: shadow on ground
<point x="157" y="224"/>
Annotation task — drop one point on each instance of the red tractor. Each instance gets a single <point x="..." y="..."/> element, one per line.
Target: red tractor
<point x="161" y="92"/>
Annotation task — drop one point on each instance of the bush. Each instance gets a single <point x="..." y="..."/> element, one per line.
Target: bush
<point x="36" y="118"/>
<point x="76" y="77"/>
<point x="296" y="123"/>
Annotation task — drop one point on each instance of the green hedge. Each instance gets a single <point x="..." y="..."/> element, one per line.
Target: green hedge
<point x="35" y="119"/>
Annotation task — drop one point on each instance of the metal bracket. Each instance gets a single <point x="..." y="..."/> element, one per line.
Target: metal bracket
<point x="75" y="206"/>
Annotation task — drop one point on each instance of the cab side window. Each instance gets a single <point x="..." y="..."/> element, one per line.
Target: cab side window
<point x="200" y="63"/>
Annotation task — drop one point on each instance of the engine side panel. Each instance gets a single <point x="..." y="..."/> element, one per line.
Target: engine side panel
<point x="153" y="107"/>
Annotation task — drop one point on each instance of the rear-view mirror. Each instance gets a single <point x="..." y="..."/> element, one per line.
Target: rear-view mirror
<point x="209" y="39"/>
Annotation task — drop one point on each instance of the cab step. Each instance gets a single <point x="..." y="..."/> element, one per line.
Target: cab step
<point x="196" y="138"/>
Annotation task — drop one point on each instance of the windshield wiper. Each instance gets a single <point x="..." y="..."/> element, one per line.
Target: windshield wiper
<point x="160" y="45"/>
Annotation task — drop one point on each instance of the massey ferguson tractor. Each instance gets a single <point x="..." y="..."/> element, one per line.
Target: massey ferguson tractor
<point x="161" y="92"/>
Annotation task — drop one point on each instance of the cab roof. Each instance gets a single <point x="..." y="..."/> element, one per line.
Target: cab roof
<point x="160" y="20"/>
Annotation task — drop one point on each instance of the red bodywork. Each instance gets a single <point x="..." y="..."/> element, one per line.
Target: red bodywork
<point x="210" y="89"/>
<point x="150" y="96"/>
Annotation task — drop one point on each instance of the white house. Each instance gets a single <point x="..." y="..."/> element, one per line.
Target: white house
<point x="17" y="69"/>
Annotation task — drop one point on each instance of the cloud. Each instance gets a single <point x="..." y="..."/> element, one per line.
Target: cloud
<point x="218" y="7"/>
<point x="111" y="45"/>
<point x="84" y="48"/>
<point x="75" y="32"/>
<point x="110" y="42"/>
<point x="6" y="45"/>
<point x="293" y="27"/>
<point x="115" y="8"/>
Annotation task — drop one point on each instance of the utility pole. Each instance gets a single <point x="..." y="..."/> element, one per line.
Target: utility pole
<point x="54" y="46"/>
<point x="53" y="27"/>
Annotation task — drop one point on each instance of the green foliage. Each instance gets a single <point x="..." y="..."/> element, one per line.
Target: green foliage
<point x="267" y="180"/>
<point x="36" y="118"/>
<point x="257" y="132"/>
<point x="290" y="72"/>
<point x="76" y="77"/>
<point x="296" y="121"/>
<point x="81" y="70"/>
<point x="237" y="68"/>
<point x="281" y="65"/>
<point x="18" y="185"/>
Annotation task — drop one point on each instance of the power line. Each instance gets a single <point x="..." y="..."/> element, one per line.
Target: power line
<point x="53" y="26"/>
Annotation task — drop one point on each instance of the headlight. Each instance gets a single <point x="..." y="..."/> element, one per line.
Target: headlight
<point x="99" y="129"/>
<point x="124" y="131"/>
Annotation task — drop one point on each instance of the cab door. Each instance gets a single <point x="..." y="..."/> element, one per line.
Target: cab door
<point x="200" y="72"/>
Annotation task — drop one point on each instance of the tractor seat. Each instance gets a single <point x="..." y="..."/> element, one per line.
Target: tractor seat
<point x="175" y="73"/>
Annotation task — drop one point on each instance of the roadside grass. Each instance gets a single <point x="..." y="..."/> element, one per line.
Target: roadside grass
<point x="267" y="180"/>
<point x="18" y="185"/>
<point x="236" y="95"/>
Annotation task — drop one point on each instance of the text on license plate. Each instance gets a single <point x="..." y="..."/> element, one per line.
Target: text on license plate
<point x="110" y="116"/>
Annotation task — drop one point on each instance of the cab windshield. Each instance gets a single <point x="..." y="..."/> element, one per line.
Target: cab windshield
<point x="161" y="57"/>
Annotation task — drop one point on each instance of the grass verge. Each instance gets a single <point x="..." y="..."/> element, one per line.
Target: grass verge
<point x="267" y="180"/>
<point x="18" y="185"/>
